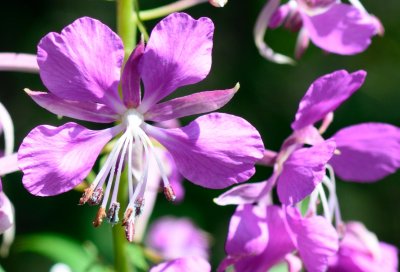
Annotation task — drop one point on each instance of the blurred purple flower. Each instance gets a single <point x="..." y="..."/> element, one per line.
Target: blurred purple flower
<point x="192" y="264"/>
<point x="360" y="251"/>
<point x="174" y="238"/>
<point x="81" y="69"/>
<point x="334" y="27"/>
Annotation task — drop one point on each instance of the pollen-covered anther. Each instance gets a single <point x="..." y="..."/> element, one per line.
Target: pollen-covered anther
<point x="139" y="205"/>
<point x="130" y="230"/>
<point x="112" y="213"/>
<point x="169" y="193"/>
<point x="127" y="216"/>
<point x="101" y="213"/>
<point x="96" y="197"/>
<point x="86" y="195"/>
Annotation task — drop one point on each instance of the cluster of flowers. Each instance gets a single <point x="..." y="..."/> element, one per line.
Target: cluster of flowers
<point x="83" y="69"/>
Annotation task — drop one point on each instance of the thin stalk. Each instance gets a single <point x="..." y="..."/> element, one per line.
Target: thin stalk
<point x="155" y="13"/>
<point x="126" y="25"/>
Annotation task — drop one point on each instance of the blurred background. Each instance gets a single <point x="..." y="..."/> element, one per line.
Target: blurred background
<point x="268" y="98"/>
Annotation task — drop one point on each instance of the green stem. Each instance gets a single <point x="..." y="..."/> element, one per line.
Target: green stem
<point x="138" y="20"/>
<point x="126" y="25"/>
<point x="155" y="13"/>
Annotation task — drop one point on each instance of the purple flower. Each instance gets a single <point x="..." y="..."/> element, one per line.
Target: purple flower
<point x="360" y="251"/>
<point x="334" y="27"/>
<point x="193" y="264"/>
<point x="81" y="69"/>
<point x="260" y="237"/>
<point x="362" y="153"/>
<point x="174" y="238"/>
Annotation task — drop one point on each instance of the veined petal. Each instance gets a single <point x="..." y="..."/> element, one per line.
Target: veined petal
<point x="130" y="80"/>
<point x="83" y="63"/>
<point x="214" y="151"/>
<point x="56" y="159"/>
<point x="342" y="29"/>
<point x="18" y="62"/>
<point x="197" y="103"/>
<point x="87" y="111"/>
<point x="325" y="95"/>
<point x="178" y="53"/>
<point x="302" y="171"/>
<point x="242" y="194"/>
<point x="195" y="264"/>
<point x="317" y="240"/>
<point x="368" y="152"/>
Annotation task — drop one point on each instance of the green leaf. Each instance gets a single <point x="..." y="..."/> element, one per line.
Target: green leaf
<point x="282" y="267"/>
<point x="59" y="249"/>
<point x="137" y="257"/>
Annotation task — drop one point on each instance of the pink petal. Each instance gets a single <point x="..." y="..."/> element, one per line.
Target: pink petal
<point x="242" y="194"/>
<point x="197" y="103"/>
<point x="56" y="159"/>
<point x="368" y="152"/>
<point x="325" y="95"/>
<point x="18" y="62"/>
<point x="82" y="110"/>
<point x="317" y="239"/>
<point x="83" y="63"/>
<point x="342" y="29"/>
<point x="192" y="264"/>
<point x="6" y="211"/>
<point x="303" y="171"/>
<point x="178" y="53"/>
<point x="130" y="80"/>
<point x="214" y="151"/>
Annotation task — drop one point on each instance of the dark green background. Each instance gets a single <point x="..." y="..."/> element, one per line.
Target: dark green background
<point x="268" y="98"/>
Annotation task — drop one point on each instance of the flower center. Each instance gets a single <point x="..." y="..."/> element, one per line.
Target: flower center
<point x="133" y="120"/>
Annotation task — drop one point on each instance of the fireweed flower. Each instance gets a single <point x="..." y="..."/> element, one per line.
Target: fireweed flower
<point x="331" y="25"/>
<point x="195" y="264"/>
<point x="81" y="69"/>
<point x="177" y="237"/>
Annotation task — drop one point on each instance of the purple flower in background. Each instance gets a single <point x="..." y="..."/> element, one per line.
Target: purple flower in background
<point x="81" y="68"/>
<point x="174" y="238"/>
<point x="260" y="237"/>
<point x="360" y="251"/>
<point x="192" y="264"/>
<point x="334" y="27"/>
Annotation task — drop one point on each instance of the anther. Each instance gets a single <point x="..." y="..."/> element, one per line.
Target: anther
<point x="130" y="230"/>
<point x="127" y="216"/>
<point x="139" y="205"/>
<point x="86" y="195"/>
<point x="101" y="213"/>
<point x="169" y="193"/>
<point x="112" y="213"/>
<point x="96" y="196"/>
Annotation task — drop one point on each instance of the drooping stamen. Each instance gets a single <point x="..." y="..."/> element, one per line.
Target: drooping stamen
<point x="101" y="213"/>
<point x="169" y="193"/>
<point x="127" y="216"/>
<point x="86" y="195"/>
<point x="118" y="177"/>
<point x="130" y="230"/>
<point x="112" y="213"/>
<point x="338" y="216"/>
<point x="139" y="205"/>
<point x="96" y="196"/>
<point x="324" y="201"/>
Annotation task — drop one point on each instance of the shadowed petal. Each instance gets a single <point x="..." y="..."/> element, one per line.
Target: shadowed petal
<point x="193" y="264"/>
<point x="326" y="94"/>
<point x="130" y="80"/>
<point x="242" y="194"/>
<point x="56" y="159"/>
<point x="368" y="152"/>
<point x="342" y="29"/>
<point x="83" y="63"/>
<point x="18" y="62"/>
<point x="302" y="171"/>
<point x="178" y="53"/>
<point x="87" y="111"/>
<point x="197" y="103"/>
<point x="214" y="151"/>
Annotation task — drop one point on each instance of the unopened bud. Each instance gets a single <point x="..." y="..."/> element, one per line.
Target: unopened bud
<point x="86" y="195"/>
<point x="112" y="213"/>
<point x="130" y="230"/>
<point x="96" y="197"/>
<point x="218" y="3"/>
<point x="169" y="193"/>
<point x="101" y="213"/>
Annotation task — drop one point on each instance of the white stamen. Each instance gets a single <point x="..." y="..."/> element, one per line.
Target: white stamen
<point x="324" y="202"/>
<point x="121" y="162"/>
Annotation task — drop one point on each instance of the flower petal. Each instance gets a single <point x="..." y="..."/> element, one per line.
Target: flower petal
<point x="195" y="264"/>
<point x="302" y="171"/>
<point x="87" y="111"/>
<point x="8" y="164"/>
<point x="178" y="53"/>
<point x="130" y="80"/>
<point x="56" y="159"/>
<point x="197" y="103"/>
<point x="214" y="151"/>
<point x="242" y="194"/>
<point x="317" y="239"/>
<point x="18" y="62"/>
<point x="6" y="211"/>
<point x="368" y="152"/>
<point x="325" y="95"/>
<point x="83" y="63"/>
<point x="342" y="29"/>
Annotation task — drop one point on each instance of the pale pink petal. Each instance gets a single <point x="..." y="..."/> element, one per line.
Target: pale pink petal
<point x="178" y="53"/>
<point x="192" y="264"/>
<point x="214" y="151"/>
<point x="56" y="159"/>
<point x="18" y="62"/>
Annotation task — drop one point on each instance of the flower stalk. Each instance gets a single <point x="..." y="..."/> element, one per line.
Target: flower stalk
<point x="180" y="5"/>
